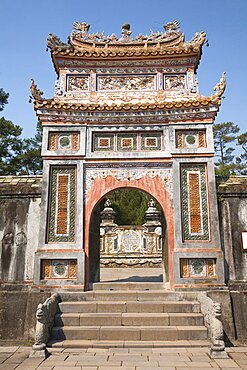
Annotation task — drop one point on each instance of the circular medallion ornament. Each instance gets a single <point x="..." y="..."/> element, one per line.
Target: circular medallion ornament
<point x="60" y="269"/>
<point x="197" y="267"/>
<point x="64" y="141"/>
<point x="190" y="139"/>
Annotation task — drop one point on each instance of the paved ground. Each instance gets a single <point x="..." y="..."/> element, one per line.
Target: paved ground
<point x="122" y="359"/>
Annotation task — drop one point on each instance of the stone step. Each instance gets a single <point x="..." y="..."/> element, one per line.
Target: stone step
<point x="129" y="319"/>
<point x="80" y="343"/>
<point x="129" y="306"/>
<point x="136" y="333"/>
<point x="138" y="286"/>
<point x="128" y="295"/>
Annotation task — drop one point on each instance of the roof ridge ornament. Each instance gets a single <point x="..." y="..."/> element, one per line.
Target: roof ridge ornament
<point x="220" y="87"/>
<point x="172" y="26"/>
<point x="36" y="94"/>
<point x="126" y="32"/>
<point x="83" y="27"/>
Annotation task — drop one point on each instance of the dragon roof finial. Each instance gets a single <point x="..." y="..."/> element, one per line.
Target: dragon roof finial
<point x="220" y="87"/>
<point x="36" y="94"/>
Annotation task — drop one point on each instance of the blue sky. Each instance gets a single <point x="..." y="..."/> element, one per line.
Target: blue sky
<point x="25" y="25"/>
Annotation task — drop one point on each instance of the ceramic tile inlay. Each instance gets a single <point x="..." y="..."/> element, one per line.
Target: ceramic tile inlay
<point x="197" y="267"/>
<point x="194" y="202"/>
<point x="64" y="141"/>
<point x="190" y="139"/>
<point x="59" y="269"/>
<point x="62" y="204"/>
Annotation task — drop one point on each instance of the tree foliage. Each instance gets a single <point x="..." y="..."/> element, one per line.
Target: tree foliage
<point x="10" y="147"/>
<point x="130" y="206"/>
<point x="225" y="136"/>
<point x="18" y="156"/>
<point x="242" y="159"/>
<point x="3" y="99"/>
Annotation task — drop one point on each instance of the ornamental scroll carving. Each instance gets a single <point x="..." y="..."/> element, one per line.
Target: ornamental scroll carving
<point x="123" y="174"/>
<point x="146" y="82"/>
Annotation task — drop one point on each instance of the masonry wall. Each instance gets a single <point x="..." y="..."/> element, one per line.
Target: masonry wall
<point x="20" y="199"/>
<point x="232" y="200"/>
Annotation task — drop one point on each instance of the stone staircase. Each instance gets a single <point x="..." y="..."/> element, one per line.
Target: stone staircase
<point x="127" y="315"/>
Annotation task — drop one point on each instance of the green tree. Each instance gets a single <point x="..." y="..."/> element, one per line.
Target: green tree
<point x="130" y="206"/>
<point x="30" y="157"/>
<point x="17" y="156"/>
<point x="242" y="159"/>
<point x="3" y="99"/>
<point x="225" y="135"/>
<point x="10" y="147"/>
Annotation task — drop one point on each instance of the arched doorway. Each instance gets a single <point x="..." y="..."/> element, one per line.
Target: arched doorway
<point x="133" y="240"/>
<point x="99" y="190"/>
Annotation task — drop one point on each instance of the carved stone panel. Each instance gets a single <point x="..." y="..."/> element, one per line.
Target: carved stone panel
<point x="126" y="82"/>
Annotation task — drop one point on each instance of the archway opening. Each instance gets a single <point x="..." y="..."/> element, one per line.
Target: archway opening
<point x="128" y="238"/>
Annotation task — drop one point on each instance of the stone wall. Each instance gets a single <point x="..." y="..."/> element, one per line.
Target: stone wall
<point x="20" y="199"/>
<point x="232" y="199"/>
<point x="17" y="315"/>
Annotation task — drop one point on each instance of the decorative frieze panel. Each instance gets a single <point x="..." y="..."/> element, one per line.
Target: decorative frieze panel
<point x="125" y="63"/>
<point x="151" y="141"/>
<point x="127" y="141"/>
<point x="64" y="141"/>
<point x="174" y="82"/>
<point x="126" y="82"/>
<point x="77" y="83"/>
<point x="58" y="269"/>
<point x="197" y="267"/>
<point x="150" y="116"/>
<point x="131" y="171"/>
<point x="191" y="139"/>
<point x="195" y="214"/>
<point x="127" y="246"/>
<point x="103" y="142"/>
<point x="62" y="204"/>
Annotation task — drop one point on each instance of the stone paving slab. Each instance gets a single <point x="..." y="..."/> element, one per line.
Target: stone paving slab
<point x="16" y="358"/>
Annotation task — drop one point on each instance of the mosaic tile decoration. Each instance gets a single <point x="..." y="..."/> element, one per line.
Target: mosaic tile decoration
<point x="62" y="204"/>
<point x="190" y="139"/>
<point x="151" y="141"/>
<point x="59" y="269"/>
<point x="202" y="139"/>
<point x="64" y="141"/>
<point x="126" y="142"/>
<point x="197" y="267"/>
<point x="195" y="215"/>
<point x="126" y="82"/>
<point x="194" y="203"/>
<point x="174" y="82"/>
<point x="103" y="142"/>
<point x="77" y="83"/>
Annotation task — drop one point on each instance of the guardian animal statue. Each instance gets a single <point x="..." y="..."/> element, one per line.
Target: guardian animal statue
<point x="45" y="317"/>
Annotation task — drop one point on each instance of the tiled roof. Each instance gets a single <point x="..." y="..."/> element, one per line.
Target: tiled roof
<point x="20" y="185"/>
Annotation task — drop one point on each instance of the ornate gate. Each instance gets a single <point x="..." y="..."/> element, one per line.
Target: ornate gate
<point x="127" y="112"/>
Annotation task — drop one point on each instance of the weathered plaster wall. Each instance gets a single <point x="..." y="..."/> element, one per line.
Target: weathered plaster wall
<point x="232" y="196"/>
<point x="19" y="226"/>
<point x="17" y="315"/>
